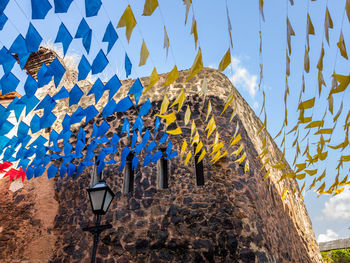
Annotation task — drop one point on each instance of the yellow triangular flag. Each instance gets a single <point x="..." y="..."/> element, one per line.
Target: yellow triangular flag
<point x="310" y="26"/>
<point x="307" y="104"/>
<point x="236" y="140"/>
<point x="341" y="46"/>
<point x="347" y="8"/>
<point x="201" y="156"/>
<point x="284" y="193"/>
<point x="195" y="138"/>
<point x="261" y="9"/>
<point x="188" y="4"/>
<point x="169" y="118"/>
<point x="143" y="54"/>
<point x="320" y="61"/>
<point x="177" y="131"/>
<point x="344" y="82"/>
<point x="197" y="65"/>
<point x="204" y="88"/>
<point x="188" y="157"/>
<point x="246" y="166"/>
<point x="228" y="101"/>
<point x="328" y="23"/>
<point x="153" y="79"/>
<point x="198" y="147"/>
<point x="149" y="7"/>
<point x="320" y="82"/>
<point x="193" y="128"/>
<point x="238" y="151"/>
<point x="225" y="61"/>
<point x="128" y="20"/>
<point x="166" y="42"/>
<point x="241" y="159"/>
<point x="208" y="110"/>
<point x="306" y="60"/>
<point x="194" y="31"/>
<point x="290" y="32"/>
<point x="179" y="100"/>
<point x="172" y="76"/>
<point x="187" y="115"/>
<point x="211" y="126"/>
<point x="183" y="148"/>
<point x="165" y="104"/>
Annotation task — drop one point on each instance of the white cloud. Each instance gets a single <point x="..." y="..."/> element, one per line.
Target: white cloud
<point x="243" y="78"/>
<point x="329" y="236"/>
<point x="338" y="207"/>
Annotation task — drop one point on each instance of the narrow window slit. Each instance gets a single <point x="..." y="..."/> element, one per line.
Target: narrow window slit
<point x="129" y="175"/>
<point x="198" y="168"/>
<point x="163" y="172"/>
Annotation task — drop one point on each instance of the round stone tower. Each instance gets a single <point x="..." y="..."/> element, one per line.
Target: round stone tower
<point x="172" y="212"/>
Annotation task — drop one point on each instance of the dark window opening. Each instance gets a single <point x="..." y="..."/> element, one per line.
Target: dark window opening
<point x="163" y="172"/>
<point x="129" y="175"/>
<point x="199" y="168"/>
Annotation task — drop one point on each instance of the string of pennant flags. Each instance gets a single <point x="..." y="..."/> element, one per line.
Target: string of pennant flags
<point x="29" y="154"/>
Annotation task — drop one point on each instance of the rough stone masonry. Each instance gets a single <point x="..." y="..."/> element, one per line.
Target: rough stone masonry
<point x="234" y="217"/>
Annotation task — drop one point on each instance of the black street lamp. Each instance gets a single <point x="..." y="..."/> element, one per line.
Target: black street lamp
<point x="101" y="197"/>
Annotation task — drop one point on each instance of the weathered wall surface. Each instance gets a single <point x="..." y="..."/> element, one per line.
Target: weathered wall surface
<point x="234" y="217"/>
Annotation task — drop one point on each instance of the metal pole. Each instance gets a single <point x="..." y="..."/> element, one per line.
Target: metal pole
<point x="96" y="238"/>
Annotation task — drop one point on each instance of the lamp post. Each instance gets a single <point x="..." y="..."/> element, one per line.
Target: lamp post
<point x="101" y="197"/>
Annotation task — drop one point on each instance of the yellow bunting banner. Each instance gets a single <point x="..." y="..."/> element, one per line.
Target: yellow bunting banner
<point x="128" y="21"/>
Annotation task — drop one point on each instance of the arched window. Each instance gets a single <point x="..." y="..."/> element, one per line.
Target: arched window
<point x="199" y="169"/>
<point x="129" y="175"/>
<point x="163" y="172"/>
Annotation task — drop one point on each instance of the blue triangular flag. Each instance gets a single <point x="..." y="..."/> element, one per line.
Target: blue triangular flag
<point x="102" y="140"/>
<point x="19" y="46"/>
<point x="53" y="137"/>
<point x="33" y="39"/>
<point x="22" y="129"/>
<point x="52" y="171"/>
<point x="97" y="89"/>
<point x="43" y="79"/>
<point x="48" y="103"/>
<point x="3" y="4"/>
<point x="84" y="68"/>
<point x="40" y="8"/>
<point x="128" y="65"/>
<point x="47" y="120"/>
<point x="9" y="83"/>
<point x="87" y="41"/>
<point x="61" y="94"/>
<point x="3" y="20"/>
<point x="90" y="113"/>
<point x="56" y="70"/>
<point x="77" y="116"/>
<point x="126" y="127"/>
<point x="133" y="140"/>
<point x="83" y="29"/>
<point x="92" y="7"/>
<point x="138" y="125"/>
<point x="81" y="135"/>
<point x="6" y="60"/>
<point x="71" y="170"/>
<point x="63" y="170"/>
<point x="62" y="6"/>
<point x="99" y="63"/>
<point x="110" y="36"/>
<point x="168" y="148"/>
<point x="102" y="130"/>
<point x="29" y="173"/>
<point x="74" y="95"/>
<point x="66" y="123"/>
<point x="147" y="159"/>
<point x="30" y="86"/>
<point x="109" y="109"/>
<point x="124" y="104"/>
<point x="151" y="146"/>
<point x="156" y="156"/>
<point x="136" y="89"/>
<point x="125" y="153"/>
<point x="35" y="124"/>
<point x="156" y="126"/>
<point x="64" y="37"/>
<point x="80" y="169"/>
<point x="115" y="139"/>
<point x="145" y="107"/>
<point x="113" y="86"/>
<point x="134" y="163"/>
<point x="94" y="130"/>
<point x="164" y="137"/>
<point x="29" y="102"/>
<point x="67" y="149"/>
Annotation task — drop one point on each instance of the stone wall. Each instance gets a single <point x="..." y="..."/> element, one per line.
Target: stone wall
<point x="234" y="217"/>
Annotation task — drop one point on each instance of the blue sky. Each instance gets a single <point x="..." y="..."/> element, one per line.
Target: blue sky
<point x="244" y="71"/>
